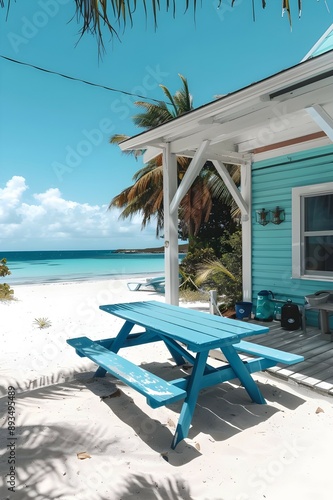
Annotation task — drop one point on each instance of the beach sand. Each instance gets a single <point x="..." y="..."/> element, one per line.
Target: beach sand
<point x="236" y="449"/>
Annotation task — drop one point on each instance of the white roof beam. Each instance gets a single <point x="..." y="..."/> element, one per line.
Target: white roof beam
<point x="192" y="141"/>
<point x="232" y="188"/>
<point x="322" y="119"/>
<point x="158" y="143"/>
<point x="191" y="173"/>
<point x="230" y="157"/>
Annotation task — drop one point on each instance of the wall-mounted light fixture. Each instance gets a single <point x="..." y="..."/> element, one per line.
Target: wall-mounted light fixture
<point x="278" y="215"/>
<point x="262" y="216"/>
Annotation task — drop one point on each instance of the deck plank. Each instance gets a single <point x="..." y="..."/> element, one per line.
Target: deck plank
<point x="316" y="371"/>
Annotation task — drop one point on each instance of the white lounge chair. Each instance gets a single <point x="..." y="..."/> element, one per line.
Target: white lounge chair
<point x="156" y="283"/>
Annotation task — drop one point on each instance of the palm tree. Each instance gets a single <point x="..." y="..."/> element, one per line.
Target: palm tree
<point x="145" y="196"/>
<point x="112" y="15"/>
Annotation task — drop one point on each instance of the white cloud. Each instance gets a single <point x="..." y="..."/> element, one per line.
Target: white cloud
<point x="10" y="197"/>
<point x="52" y="222"/>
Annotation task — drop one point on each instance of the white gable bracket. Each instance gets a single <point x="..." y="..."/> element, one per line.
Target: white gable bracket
<point x="322" y="119"/>
<point x="192" y="171"/>
<point x="232" y="188"/>
<point x="150" y="153"/>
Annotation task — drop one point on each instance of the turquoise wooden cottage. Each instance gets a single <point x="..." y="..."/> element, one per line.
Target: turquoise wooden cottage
<point x="280" y="132"/>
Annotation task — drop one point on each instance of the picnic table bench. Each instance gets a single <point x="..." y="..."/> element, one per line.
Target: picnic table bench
<point x="189" y="336"/>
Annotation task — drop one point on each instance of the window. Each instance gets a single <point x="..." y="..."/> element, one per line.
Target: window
<point x="312" y="232"/>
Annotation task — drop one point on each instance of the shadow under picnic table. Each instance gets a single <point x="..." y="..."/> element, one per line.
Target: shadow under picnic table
<point x="222" y="411"/>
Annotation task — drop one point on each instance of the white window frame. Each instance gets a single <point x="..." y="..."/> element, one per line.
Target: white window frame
<point x="298" y="194"/>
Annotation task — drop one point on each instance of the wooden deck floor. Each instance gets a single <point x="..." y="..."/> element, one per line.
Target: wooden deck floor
<point x="316" y="371"/>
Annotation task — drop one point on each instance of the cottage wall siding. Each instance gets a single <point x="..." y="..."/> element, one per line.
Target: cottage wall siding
<point x="272" y="183"/>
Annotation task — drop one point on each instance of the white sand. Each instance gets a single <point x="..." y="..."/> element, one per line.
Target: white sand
<point x="236" y="449"/>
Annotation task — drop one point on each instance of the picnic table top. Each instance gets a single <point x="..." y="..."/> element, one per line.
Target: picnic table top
<point x="198" y="330"/>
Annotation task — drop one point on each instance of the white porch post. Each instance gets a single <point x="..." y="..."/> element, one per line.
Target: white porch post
<point x="246" y="190"/>
<point x="170" y="228"/>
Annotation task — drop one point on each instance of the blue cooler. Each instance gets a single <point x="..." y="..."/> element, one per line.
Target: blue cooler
<point x="265" y="306"/>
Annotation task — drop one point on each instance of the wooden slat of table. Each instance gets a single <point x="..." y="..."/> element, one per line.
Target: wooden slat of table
<point x="197" y="317"/>
<point x="196" y="340"/>
<point x="198" y="330"/>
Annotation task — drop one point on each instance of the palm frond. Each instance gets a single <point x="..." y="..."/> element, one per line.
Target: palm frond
<point x="98" y="16"/>
<point x="152" y="179"/>
<point x="148" y="167"/>
<point x="118" y="138"/>
<point x="154" y="115"/>
<point x="171" y="99"/>
<point x="183" y="98"/>
<point x="210" y="269"/>
<point x="221" y="192"/>
<point x="286" y="8"/>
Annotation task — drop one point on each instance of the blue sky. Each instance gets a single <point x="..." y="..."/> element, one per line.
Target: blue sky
<point x="58" y="171"/>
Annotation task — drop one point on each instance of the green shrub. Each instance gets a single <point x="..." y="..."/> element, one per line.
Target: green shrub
<point x="225" y="274"/>
<point x="6" y="293"/>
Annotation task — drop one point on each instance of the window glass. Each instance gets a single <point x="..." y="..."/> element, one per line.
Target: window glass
<point x="318" y="253"/>
<point x="318" y="213"/>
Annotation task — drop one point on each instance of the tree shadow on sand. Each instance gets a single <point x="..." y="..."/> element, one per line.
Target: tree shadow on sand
<point x="151" y="489"/>
<point x="45" y="445"/>
<point x="47" y="466"/>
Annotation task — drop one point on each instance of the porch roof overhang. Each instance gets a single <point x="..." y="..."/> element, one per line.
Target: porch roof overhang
<point x="286" y="112"/>
<point x="293" y="106"/>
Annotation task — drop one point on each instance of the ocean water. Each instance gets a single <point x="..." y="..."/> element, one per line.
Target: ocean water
<point x="59" y="266"/>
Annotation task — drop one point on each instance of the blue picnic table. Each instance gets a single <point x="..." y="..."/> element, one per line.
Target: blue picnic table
<point x="189" y="336"/>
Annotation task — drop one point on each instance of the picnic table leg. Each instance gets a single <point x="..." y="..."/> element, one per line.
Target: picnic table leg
<point x="176" y="351"/>
<point x="116" y="344"/>
<point x="178" y="359"/>
<point x="192" y="389"/>
<point x="242" y="373"/>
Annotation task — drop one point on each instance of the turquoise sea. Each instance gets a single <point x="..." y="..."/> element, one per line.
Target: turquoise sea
<point x="70" y="265"/>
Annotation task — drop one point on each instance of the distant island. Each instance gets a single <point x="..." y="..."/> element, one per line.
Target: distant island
<point x="181" y="249"/>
